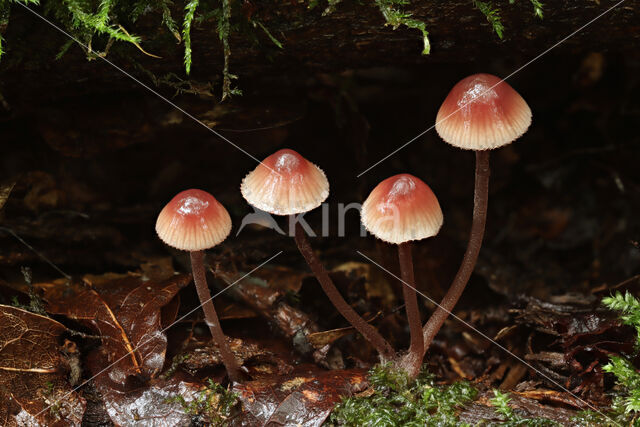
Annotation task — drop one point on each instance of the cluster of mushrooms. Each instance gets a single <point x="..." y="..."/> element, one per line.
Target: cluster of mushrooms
<point x="480" y="113"/>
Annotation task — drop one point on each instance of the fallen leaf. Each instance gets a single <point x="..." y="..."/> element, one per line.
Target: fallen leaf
<point x="126" y="312"/>
<point x="34" y="389"/>
<point x="305" y="397"/>
<point x="160" y="403"/>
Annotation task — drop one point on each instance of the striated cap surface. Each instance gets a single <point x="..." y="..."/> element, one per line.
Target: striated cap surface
<point x="285" y="183"/>
<point x="192" y="221"/>
<point x="400" y="209"/>
<point x="482" y="113"/>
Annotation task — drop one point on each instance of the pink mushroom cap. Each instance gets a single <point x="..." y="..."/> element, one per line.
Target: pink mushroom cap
<point x="482" y="112"/>
<point x="400" y="209"/>
<point x="193" y="221"/>
<point x="285" y="183"/>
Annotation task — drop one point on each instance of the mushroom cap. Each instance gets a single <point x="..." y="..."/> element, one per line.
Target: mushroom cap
<point x="482" y="112"/>
<point x="285" y="183"/>
<point x="400" y="209"/>
<point x="193" y="221"/>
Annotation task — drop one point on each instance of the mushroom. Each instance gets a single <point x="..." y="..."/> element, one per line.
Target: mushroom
<point x="401" y="209"/>
<point x="194" y="221"/>
<point x="285" y="183"/>
<point x="481" y="113"/>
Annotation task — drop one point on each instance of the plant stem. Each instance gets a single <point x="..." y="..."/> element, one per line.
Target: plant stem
<point x="368" y="331"/>
<point x="480" y="201"/>
<point x="413" y="360"/>
<point x="211" y="317"/>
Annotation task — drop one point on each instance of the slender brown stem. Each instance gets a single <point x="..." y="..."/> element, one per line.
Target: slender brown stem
<point x="211" y="317"/>
<point x="368" y="331"/>
<point x="414" y="357"/>
<point x="480" y="201"/>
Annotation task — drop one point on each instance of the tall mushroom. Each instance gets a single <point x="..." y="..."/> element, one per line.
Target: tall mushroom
<point x="194" y="221"/>
<point x="481" y="113"/>
<point x="401" y="209"/>
<point x="285" y="183"/>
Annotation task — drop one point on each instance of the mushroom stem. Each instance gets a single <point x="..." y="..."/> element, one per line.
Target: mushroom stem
<point x="413" y="359"/>
<point x="480" y="201"/>
<point x="211" y="317"/>
<point x="368" y="331"/>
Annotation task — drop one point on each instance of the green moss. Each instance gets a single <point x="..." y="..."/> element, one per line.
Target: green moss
<point x="625" y="404"/>
<point x="214" y="404"/>
<point x="175" y="364"/>
<point x="492" y="14"/>
<point x="396" y="401"/>
<point x="396" y="17"/>
<point x="537" y="7"/>
<point x="189" y="15"/>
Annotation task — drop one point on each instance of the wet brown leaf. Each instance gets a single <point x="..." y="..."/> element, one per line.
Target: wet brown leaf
<point x="306" y="397"/>
<point x="126" y="311"/>
<point x="33" y="372"/>
<point x="160" y="403"/>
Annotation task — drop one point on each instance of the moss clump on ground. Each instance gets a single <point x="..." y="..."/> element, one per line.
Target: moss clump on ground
<point x="395" y="401"/>
<point x="213" y="405"/>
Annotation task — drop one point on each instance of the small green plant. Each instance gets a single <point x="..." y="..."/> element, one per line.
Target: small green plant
<point x="500" y="401"/>
<point x="537" y="7"/>
<point x="629" y="308"/>
<point x="626" y="374"/>
<point x="396" y="401"/>
<point x="395" y="17"/>
<point x="214" y="403"/>
<point x="492" y="14"/>
<point x="626" y="401"/>
<point x="629" y="379"/>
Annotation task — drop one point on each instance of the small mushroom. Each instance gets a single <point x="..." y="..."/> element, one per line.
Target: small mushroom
<point x="399" y="210"/>
<point x="194" y="221"/>
<point x="481" y="113"/>
<point x="285" y="183"/>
